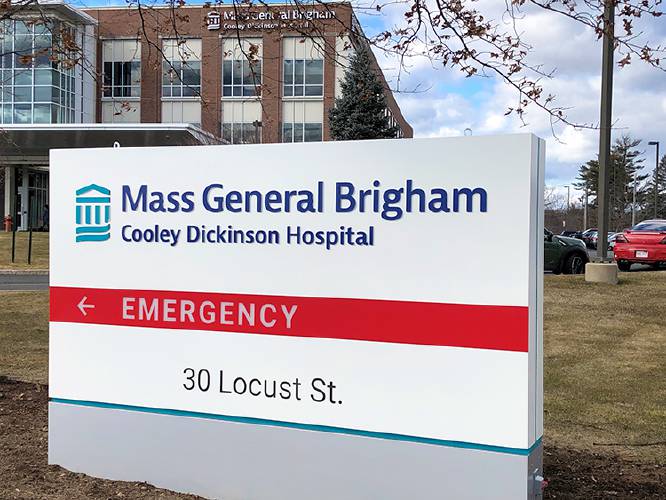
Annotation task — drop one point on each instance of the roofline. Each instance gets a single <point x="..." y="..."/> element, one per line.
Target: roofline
<point x="216" y="7"/>
<point x="64" y="8"/>
<point x="201" y="135"/>
<point x="102" y="126"/>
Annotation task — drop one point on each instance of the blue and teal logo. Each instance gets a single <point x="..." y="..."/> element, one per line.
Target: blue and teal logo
<point x="93" y="213"/>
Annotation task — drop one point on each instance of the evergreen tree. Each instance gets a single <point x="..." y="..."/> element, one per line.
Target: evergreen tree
<point x="625" y="162"/>
<point x="648" y="206"/>
<point x="360" y="113"/>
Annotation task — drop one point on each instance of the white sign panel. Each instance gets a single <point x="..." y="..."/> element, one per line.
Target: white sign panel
<point x="384" y="288"/>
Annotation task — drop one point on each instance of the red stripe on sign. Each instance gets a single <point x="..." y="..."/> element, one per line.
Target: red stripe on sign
<point x="424" y="323"/>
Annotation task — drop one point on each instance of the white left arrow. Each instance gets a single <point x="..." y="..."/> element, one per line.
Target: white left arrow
<point x="83" y="306"/>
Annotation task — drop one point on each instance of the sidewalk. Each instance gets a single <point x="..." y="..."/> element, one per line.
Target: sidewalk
<point x="14" y="280"/>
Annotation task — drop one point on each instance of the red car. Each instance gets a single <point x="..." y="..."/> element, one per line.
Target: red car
<point x="645" y="243"/>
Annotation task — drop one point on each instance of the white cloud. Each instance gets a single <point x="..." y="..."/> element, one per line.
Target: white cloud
<point x="454" y="103"/>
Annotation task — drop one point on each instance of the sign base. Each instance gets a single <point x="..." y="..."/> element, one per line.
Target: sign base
<point x="222" y="459"/>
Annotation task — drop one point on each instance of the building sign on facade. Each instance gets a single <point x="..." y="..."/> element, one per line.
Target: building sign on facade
<point x="327" y="324"/>
<point x="213" y="20"/>
<point x="283" y="18"/>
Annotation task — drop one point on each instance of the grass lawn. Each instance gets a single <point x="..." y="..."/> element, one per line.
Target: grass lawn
<point x="24" y="335"/>
<point x="40" y="251"/>
<point x="605" y="360"/>
<point x="605" y="364"/>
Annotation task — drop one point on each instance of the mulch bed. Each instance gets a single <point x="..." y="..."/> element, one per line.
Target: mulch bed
<point x="571" y="474"/>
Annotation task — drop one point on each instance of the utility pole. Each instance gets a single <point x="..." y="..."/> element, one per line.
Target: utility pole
<point x="656" y="177"/>
<point x="605" y="128"/>
<point x="566" y="214"/>
<point x="633" y="202"/>
<point x="585" y="209"/>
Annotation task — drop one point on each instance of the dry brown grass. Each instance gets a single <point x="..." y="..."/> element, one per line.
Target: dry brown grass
<point x="40" y="251"/>
<point x="605" y="364"/>
<point x="24" y="335"/>
<point x="605" y="360"/>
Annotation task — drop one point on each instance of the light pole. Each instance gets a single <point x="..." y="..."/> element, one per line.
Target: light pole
<point x="585" y="209"/>
<point x="566" y="214"/>
<point x="656" y="176"/>
<point x="633" y="201"/>
<point x="605" y="128"/>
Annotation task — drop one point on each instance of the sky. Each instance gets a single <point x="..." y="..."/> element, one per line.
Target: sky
<point x="450" y="103"/>
<point x="440" y="102"/>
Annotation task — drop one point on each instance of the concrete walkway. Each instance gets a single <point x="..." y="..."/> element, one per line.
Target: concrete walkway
<point x="20" y="280"/>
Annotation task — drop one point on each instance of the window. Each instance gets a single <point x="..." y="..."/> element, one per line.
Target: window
<point x="301" y="132"/>
<point x="303" y="67"/>
<point x="181" y="111"/>
<point x="650" y="226"/>
<point x="121" y="111"/>
<point x="241" y="122"/>
<point x="241" y="68"/>
<point x="34" y="88"/>
<point x="241" y="133"/>
<point x="302" y="121"/>
<point x="122" y="68"/>
<point x="181" y="74"/>
<point x="393" y="123"/>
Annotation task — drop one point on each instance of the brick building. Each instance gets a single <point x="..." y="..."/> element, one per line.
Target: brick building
<point x="157" y="76"/>
<point x="229" y="69"/>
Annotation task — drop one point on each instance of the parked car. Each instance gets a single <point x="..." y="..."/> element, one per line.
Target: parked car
<point x="572" y="234"/>
<point x="595" y="236"/>
<point x="563" y="254"/>
<point x="645" y="243"/>
<point x="611" y="240"/>
<point x="587" y="235"/>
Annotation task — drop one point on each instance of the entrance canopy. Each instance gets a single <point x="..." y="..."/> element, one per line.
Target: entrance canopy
<point x="30" y="144"/>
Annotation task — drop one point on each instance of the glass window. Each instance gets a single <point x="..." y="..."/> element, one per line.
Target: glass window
<point x="241" y="68"/>
<point x="650" y="226"/>
<point x="42" y="113"/>
<point x="312" y="132"/>
<point x="121" y="69"/>
<point x="22" y="94"/>
<point x="31" y="73"/>
<point x="301" y="132"/>
<point x="241" y="133"/>
<point x="303" y="77"/>
<point x="42" y="94"/>
<point x="23" y="77"/>
<point x="22" y="113"/>
<point x="181" y="73"/>
<point x="287" y="135"/>
<point x="42" y="77"/>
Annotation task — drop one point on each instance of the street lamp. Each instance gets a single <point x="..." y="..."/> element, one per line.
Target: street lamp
<point x="656" y="177"/>
<point x="566" y="214"/>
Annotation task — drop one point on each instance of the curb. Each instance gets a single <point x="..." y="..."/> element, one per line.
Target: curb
<point x="24" y="272"/>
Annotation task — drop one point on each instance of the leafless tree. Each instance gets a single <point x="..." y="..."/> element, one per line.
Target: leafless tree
<point x="460" y="34"/>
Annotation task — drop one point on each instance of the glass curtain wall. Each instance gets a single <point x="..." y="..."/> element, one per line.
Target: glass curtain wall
<point x="36" y="85"/>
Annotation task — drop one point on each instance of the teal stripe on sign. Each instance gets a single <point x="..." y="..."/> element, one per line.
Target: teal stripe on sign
<point x="97" y="215"/>
<point x="88" y="218"/>
<point x="307" y="427"/>
<point x="78" y="214"/>
<point x="93" y="199"/>
<point x="93" y="237"/>
<point x="93" y="229"/>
